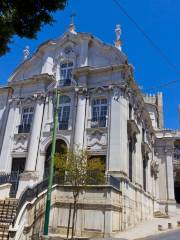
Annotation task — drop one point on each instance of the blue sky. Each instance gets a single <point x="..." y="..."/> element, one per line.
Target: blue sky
<point x="159" y="19"/>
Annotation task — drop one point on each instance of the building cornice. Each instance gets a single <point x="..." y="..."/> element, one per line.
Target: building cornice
<point x="87" y="70"/>
<point x="4" y="89"/>
<point x="37" y="78"/>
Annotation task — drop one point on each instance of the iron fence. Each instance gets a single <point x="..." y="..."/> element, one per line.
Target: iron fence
<point x="13" y="179"/>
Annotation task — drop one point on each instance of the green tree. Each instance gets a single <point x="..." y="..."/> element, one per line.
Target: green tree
<point x="79" y="170"/>
<point x="25" y="18"/>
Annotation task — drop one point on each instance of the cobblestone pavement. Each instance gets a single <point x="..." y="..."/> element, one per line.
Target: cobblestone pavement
<point x="150" y="228"/>
<point x="173" y="235"/>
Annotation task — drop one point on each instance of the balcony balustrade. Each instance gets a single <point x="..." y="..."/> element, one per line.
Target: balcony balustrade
<point x="65" y="82"/>
<point x="24" y="128"/>
<point x="63" y="125"/>
<point x="98" y="122"/>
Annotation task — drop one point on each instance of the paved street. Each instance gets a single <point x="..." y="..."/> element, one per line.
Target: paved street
<point x="173" y="235"/>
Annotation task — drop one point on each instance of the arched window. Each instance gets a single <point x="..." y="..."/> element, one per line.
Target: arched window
<point x="99" y="112"/>
<point x="64" y="112"/>
<point x="66" y="73"/>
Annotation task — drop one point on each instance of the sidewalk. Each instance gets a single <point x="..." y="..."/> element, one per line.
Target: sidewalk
<point x="149" y="228"/>
<point x="142" y="230"/>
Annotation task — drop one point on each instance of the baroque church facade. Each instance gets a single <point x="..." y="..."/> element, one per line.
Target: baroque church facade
<point x="101" y="109"/>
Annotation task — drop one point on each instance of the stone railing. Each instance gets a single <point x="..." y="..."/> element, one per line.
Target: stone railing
<point x="31" y="193"/>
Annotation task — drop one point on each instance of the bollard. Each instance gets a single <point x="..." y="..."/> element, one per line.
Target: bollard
<point x="170" y="226"/>
<point x="160" y="228"/>
<point x="178" y="223"/>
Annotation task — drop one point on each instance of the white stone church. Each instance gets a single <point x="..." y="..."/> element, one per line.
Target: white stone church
<point x="103" y="110"/>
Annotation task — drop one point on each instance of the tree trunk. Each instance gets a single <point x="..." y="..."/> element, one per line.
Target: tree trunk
<point x="69" y="220"/>
<point x="74" y="214"/>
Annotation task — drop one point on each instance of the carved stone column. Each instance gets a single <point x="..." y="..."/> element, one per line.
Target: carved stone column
<point x="80" y="117"/>
<point x="35" y="135"/>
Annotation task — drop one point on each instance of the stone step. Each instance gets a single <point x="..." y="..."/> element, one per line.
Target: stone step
<point x="7" y="208"/>
<point x="8" y="201"/>
<point x="4" y="225"/>
<point x="7" y="215"/>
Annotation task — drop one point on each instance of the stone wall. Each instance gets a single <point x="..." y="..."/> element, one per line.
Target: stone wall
<point x="99" y="212"/>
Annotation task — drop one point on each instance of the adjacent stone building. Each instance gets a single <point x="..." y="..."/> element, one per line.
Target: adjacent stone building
<point x="101" y="109"/>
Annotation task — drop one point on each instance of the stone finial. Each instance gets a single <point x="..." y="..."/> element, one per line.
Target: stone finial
<point x="72" y="25"/>
<point x="118" y="42"/>
<point x="26" y="52"/>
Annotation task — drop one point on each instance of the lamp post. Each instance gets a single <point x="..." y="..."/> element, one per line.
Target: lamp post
<point x="51" y="169"/>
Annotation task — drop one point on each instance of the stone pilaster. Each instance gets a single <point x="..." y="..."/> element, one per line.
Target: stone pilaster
<point x="170" y="176"/>
<point x="84" y="53"/>
<point x="164" y="152"/>
<point x="80" y="117"/>
<point x="5" y="157"/>
<point x="35" y="135"/>
<point x="118" y="139"/>
<point x="48" y="113"/>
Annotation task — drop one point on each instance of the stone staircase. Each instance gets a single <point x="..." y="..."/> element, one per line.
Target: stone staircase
<point x="159" y="214"/>
<point x="7" y="214"/>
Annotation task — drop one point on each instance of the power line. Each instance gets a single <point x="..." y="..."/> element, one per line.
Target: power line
<point x="36" y="54"/>
<point x="152" y="43"/>
<point x="162" y="85"/>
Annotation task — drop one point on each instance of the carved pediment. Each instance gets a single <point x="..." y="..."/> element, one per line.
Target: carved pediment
<point x="97" y="140"/>
<point x="20" y="142"/>
<point x="20" y="148"/>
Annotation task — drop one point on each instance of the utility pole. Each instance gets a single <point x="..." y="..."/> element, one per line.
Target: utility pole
<point x="51" y="169"/>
